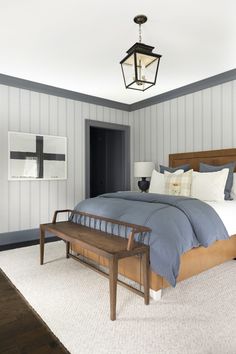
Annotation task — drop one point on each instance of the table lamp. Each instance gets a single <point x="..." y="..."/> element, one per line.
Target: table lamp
<point x="143" y="170"/>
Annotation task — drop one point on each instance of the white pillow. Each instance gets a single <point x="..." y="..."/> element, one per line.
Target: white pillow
<point x="157" y="184"/>
<point x="209" y="186"/>
<point x="179" y="184"/>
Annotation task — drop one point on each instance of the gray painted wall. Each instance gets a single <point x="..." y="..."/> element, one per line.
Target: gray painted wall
<point x="202" y="120"/>
<point x="198" y="121"/>
<point x="25" y="204"/>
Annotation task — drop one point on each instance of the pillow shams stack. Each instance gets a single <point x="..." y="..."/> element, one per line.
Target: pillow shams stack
<point x="159" y="180"/>
<point x="212" y="183"/>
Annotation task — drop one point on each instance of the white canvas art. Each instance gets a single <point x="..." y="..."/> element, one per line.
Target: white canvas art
<point x="35" y="156"/>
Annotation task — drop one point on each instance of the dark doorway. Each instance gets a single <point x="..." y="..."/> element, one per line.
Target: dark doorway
<point x="107" y="150"/>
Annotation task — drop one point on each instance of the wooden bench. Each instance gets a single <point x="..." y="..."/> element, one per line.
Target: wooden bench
<point x="92" y="234"/>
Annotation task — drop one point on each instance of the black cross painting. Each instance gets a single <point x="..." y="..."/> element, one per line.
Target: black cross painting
<point x="34" y="156"/>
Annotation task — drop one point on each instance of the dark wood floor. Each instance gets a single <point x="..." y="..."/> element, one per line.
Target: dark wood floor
<point x="21" y="329"/>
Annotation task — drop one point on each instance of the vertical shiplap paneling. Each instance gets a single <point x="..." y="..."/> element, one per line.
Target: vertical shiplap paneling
<point x="216" y="116"/>
<point x="85" y="112"/>
<point x="35" y="196"/>
<point x="166" y="131"/>
<point x="44" y="185"/>
<point x="4" y="113"/>
<point x="206" y="120"/>
<point x="119" y="117"/>
<point x="189" y="122"/>
<point x="99" y="113"/>
<point x="160" y="134"/>
<point x="148" y="134"/>
<point x="135" y="148"/>
<point x="174" y="125"/>
<point x="71" y="149"/>
<point x="92" y="112"/>
<point x="227" y="117"/>
<point x="62" y="131"/>
<point x="14" y="211"/>
<point x="26" y="204"/>
<point x="78" y="153"/>
<point x="153" y="140"/>
<point x="142" y="142"/>
<point x="200" y="121"/>
<point x="128" y="120"/>
<point x="112" y="115"/>
<point x="106" y="114"/>
<point x="197" y="123"/>
<point x="53" y="130"/>
<point x="181" y="124"/>
<point x="25" y="201"/>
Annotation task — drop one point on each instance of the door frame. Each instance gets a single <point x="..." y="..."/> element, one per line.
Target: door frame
<point x="112" y="126"/>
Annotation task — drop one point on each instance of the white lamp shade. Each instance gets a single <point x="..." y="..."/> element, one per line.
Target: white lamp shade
<point x="143" y="169"/>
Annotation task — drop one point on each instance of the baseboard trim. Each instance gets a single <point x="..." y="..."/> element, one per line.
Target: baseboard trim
<point x="18" y="237"/>
<point x="26" y="243"/>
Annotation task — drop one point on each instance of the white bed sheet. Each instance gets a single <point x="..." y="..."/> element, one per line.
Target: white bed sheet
<point x="227" y="212"/>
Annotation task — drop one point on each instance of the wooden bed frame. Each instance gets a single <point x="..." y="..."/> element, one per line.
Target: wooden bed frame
<point x="196" y="260"/>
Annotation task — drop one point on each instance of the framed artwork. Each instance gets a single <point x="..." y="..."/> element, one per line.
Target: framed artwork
<point x="36" y="157"/>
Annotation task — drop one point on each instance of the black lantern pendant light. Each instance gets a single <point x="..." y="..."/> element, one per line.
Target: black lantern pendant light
<point x="140" y="66"/>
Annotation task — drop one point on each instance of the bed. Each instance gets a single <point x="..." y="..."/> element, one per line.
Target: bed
<point x="197" y="259"/>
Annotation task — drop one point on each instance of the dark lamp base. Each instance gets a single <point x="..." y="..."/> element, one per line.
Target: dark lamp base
<point x="143" y="185"/>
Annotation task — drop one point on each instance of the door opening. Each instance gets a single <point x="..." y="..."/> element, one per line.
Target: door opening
<point x="107" y="152"/>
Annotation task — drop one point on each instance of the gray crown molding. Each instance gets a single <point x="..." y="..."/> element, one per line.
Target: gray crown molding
<point x="185" y="90"/>
<point x="77" y="96"/>
<point x="59" y="92"/>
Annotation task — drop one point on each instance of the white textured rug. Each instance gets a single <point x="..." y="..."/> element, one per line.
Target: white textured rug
<point x="198" y="316"/>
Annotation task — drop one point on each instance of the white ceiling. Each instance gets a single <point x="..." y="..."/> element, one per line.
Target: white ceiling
<point x="77" y="45"/>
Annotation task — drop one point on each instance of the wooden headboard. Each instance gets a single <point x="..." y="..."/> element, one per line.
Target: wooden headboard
<point x="212" y="157"/>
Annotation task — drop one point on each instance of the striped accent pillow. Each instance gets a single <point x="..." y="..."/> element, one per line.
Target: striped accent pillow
<point x="178" y="184"/>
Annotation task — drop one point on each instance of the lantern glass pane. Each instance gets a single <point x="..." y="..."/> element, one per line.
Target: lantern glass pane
<point x="128" y="70"/>
<point x="146" y="67"/>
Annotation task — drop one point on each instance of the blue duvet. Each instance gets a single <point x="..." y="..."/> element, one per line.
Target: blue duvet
<point x="178" y="224"/>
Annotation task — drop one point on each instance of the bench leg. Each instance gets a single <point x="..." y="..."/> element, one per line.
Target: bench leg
<point x="67" y="249"/>
<point x="113" y="273"/>
<point x="145" y="264"/>
<point x="42" y="238"/>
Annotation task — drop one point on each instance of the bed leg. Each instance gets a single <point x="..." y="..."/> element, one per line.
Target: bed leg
<point x="67" y="249"/>
<point x="156" y="295"/>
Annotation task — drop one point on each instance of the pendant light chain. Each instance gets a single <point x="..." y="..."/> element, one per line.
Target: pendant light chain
<point x="140" y="33"/>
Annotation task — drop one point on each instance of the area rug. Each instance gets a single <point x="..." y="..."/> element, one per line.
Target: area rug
<point x="198" y="316"/>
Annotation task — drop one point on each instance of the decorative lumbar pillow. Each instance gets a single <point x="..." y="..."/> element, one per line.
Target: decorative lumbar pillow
<point x="173" y="169"/>
<point x="209" y="186"/>
<point x="157" y="183"/>
<point x="229" y="182"/>
<point x="178" y="184"/>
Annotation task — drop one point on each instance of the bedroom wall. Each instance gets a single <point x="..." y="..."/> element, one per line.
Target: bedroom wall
<point x="26" y="204"/>
<point x="199" y="121"/>
<point x="204" y="120"/>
